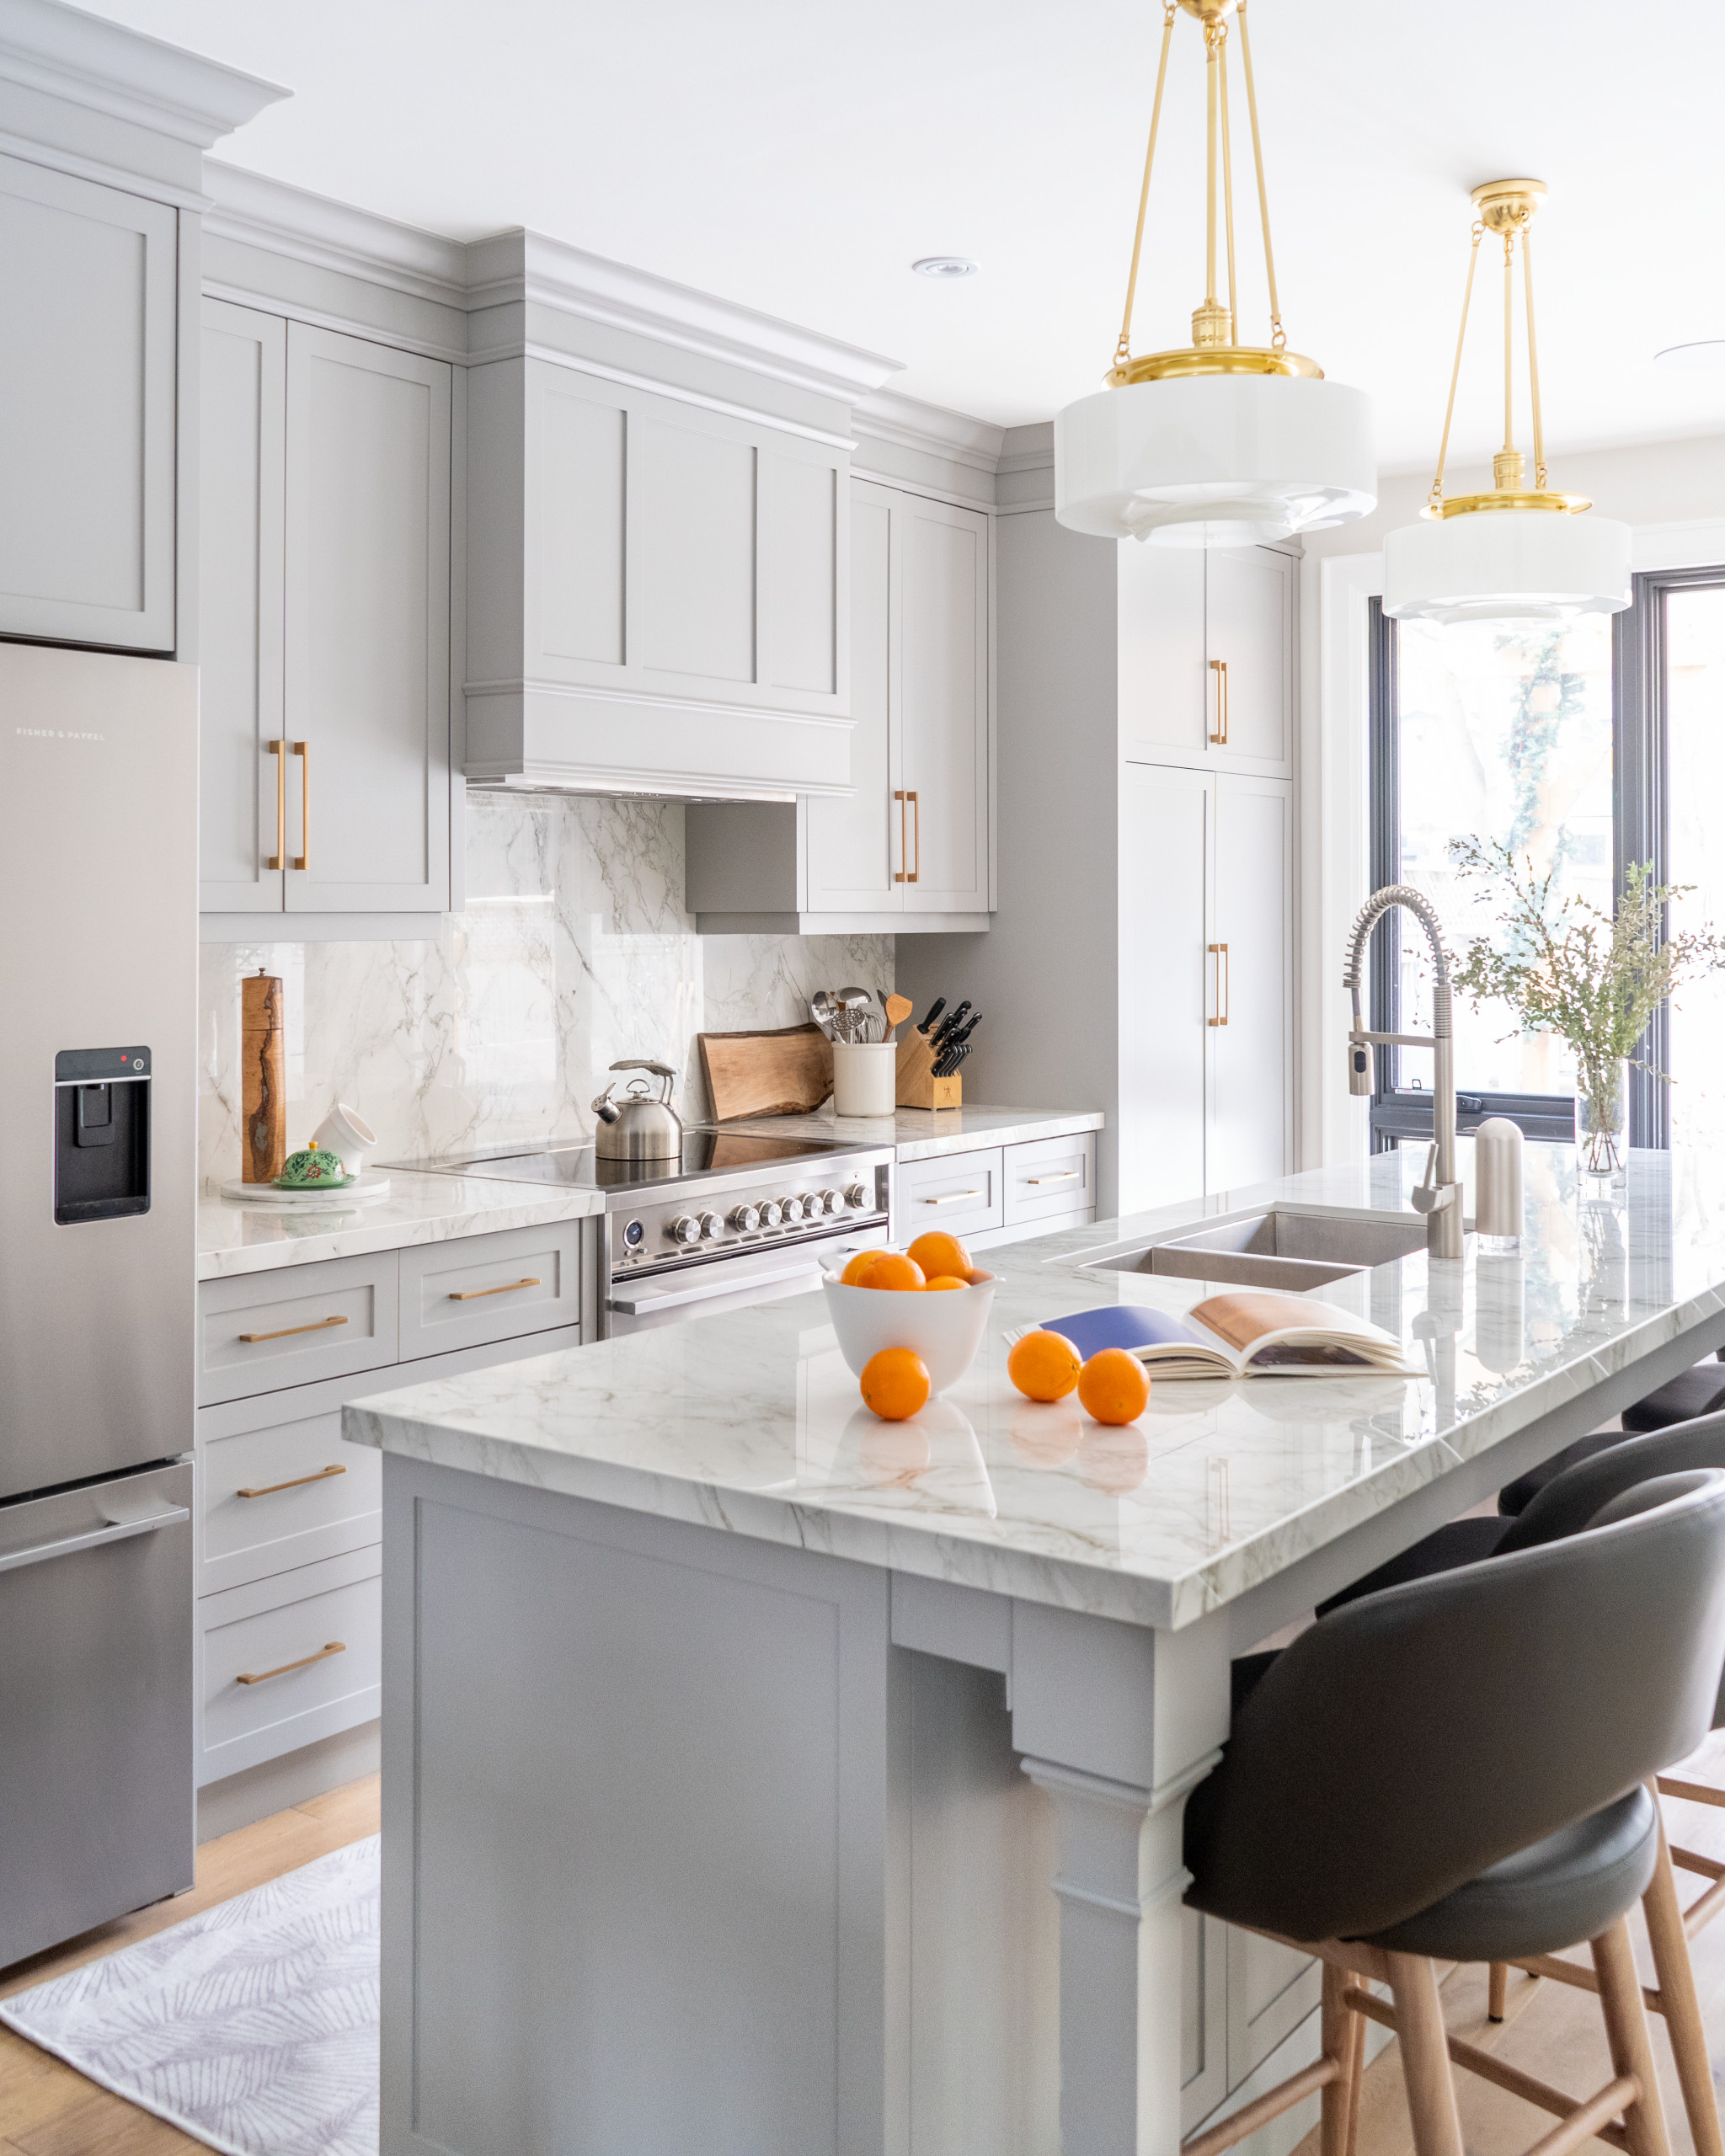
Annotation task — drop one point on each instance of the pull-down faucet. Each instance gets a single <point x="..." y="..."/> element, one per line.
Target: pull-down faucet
<point x="1438" y="1196"/>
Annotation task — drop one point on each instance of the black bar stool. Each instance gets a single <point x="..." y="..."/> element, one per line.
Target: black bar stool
<point x="1454" y="1770"/>
<point x="1693" y="1393"/>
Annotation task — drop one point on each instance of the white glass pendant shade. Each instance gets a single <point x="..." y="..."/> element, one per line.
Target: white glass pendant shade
<point x="1216" y="460"/>
<point x="1507" y="565"/>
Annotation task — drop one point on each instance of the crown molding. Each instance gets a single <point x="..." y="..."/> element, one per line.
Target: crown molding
<point x="258" y="212"/>
<point x="1029" y="448"/>
<point x="886" y="415"/>
<point x="90" y="61"/>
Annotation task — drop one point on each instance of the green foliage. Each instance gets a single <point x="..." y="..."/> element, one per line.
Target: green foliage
<point x="1593" y="978"/>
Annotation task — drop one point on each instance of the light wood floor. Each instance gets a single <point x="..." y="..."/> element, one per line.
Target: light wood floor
<point x="45" y="2108"/>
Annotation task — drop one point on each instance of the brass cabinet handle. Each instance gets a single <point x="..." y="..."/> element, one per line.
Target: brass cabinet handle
<point x="1224" y="983"/>
<point x="279" y="751"/>
<point x="287" y="1331"/>
<point x="304" y="1662"/>
<point x="1067" y="1175"/>
<point x="1219" y="667"/>
<point x="472" y="1294"/>
<point x="917" y="826"/>
<point x="298" y="1482"/>
<point x="902" y="873"/>
<point x="302" y="750"/>
<point x="953" y="1197"/>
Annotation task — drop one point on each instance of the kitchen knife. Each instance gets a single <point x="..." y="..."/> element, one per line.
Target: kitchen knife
<point x="950" y="1024"/>
<point x="935" y="1009"/>
<point x="948" y="1064"/>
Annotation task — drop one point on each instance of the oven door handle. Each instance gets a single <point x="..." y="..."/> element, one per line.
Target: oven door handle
<point x="708" y="1290"/>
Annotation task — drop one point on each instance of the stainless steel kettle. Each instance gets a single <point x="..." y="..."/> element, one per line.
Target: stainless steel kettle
<point x="640" y="1125"/>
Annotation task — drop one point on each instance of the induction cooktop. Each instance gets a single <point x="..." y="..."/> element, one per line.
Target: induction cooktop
<point x="706" y="1152"/>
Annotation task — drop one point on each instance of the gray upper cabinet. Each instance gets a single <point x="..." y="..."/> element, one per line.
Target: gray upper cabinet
<point x="324" y="619"/>
<point x="1207" y="656"/>
<point x="909" y="847"/>
<point x="87" y="411"/>
<point x="658" y="592"/>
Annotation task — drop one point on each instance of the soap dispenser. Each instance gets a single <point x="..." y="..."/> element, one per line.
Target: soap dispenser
<point x="1497" y="1186"/>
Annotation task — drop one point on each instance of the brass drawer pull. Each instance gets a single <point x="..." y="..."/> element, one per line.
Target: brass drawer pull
<point x="953" y="1197"/>
<point x="916" y="802"/>
<point x="298" y="1482"/>
<point x="1224" y="983"/>
<point x="302" y="750"/>
<point x="287" y="1331"/>
<point x="901" y="874"/>
<point x="1219" y="667"/>
<point x="279" y="751"/>
<point x="304" y="1662"/>
<point x="472" y="1294"/>
<point x="1067" y="1175"/>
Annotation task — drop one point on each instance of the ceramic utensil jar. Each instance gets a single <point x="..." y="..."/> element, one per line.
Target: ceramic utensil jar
<point x="864" y="1078"/>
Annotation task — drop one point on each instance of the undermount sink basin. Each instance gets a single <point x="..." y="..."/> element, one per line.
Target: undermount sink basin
<point x="1281" y="1248"/>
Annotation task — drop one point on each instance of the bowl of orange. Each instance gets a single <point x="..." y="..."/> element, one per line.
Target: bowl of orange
<point x="930" y="1299"/>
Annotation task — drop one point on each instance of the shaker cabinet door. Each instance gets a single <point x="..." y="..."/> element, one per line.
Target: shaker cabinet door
<point x="87" y="411"/>
<point x="241" y="778"/>
<point x="1249" y="649"/>
<point x="944" y="761"/>
<point x="851" y="842"/>
<point x="367" y="644"/>
<point x="1166" y="981"/>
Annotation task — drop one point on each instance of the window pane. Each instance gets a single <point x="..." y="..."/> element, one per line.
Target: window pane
<point x="1695" y="767"/>
<point x="1505" y="732"/>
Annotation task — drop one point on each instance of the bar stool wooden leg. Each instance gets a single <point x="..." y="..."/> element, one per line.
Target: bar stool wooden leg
<point x="1627" y="2034"/>
<point x="1343" y="2039"/>
<point x="1425" y="2058"/>
<point x="1497" y="1991"/>
<point x="1681" y="2007"/>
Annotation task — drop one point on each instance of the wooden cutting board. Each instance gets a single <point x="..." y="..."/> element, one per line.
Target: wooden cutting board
<point x="783" y="1073"/>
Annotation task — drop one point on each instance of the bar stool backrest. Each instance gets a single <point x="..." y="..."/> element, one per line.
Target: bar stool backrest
<point x="1411" y="1739"/>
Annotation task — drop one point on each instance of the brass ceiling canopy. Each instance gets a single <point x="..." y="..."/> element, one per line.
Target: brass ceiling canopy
<point x="1215" y="348"/>
<point x="1505" y="207"/>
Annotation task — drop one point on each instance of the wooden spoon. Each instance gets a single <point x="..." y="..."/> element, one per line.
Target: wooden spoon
<point x="897" y="1009"/>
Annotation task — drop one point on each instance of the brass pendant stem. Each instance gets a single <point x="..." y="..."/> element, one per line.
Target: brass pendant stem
<point x="1437" y="493"/>
<point x="1209" y="183"/>
<point x="1508" y="343"/>
<point x="1123" y="350"/>
<point x="1533" y="363"/>
<point x="1227" y="183"/>
<point x="1277" y="338"/>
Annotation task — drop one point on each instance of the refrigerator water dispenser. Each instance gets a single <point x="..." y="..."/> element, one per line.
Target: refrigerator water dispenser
<point x="101" y="1134"/>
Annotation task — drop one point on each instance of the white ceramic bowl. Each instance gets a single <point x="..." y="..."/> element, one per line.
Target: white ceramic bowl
<point x="946" y="1330"/>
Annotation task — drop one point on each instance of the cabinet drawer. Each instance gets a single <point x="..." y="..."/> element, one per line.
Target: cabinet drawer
<point x="278" y="1491"/>
<point x="277" y="1632"/>
<point x="1049" y="1176"/>
<point x="959" y="1192"/>
<point x="264" y="1331"/>
<point x="481" y="1288"/>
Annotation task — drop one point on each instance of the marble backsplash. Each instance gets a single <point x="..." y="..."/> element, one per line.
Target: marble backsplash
<point x="573" y="950"/>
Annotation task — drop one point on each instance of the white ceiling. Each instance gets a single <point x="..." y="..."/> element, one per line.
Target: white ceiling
<point x="797" y="157"/>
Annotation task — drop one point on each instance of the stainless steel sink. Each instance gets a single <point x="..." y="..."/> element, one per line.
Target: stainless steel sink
<point x="1280" y="1248"/>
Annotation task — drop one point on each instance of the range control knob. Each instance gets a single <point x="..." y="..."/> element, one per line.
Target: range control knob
<point x="744" y="1219"/>
<point x="711" y="1225"/>
<point x="828" y="1201"/>
<point x="795" y="1208"/>
<point x="856" y="1195"/>
<point x="685" y="1229"/>
<point x="771" y="1213"/>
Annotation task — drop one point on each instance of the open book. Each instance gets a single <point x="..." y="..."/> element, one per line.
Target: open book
<point x="1242" y="1335"/>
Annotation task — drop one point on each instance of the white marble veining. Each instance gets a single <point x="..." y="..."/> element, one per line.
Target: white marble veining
<point x="573" y="950"/>
<point x="750" y="1422"/>
<point x="926" y="1133"/>
<point x="239" y="1238"/>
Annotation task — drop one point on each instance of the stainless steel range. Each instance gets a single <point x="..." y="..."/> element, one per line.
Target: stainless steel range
<point x="736" y="1218"/>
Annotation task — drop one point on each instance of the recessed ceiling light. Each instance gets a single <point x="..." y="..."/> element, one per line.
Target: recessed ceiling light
<point x="1710" y="352"/>
<point x="945" y="266"/>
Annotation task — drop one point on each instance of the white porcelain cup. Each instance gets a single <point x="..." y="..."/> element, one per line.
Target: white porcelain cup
<point x="865" y="1078"/>
<point x="346" y="1131"/>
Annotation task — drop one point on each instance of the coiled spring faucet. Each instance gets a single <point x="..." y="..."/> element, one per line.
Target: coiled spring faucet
<point x="1438" y="1195"/>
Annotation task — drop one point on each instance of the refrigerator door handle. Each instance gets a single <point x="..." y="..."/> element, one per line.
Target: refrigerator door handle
<point x="39" y="1552"/>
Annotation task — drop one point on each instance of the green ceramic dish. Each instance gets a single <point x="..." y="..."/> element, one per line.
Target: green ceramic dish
<point x="313" y="1169"/>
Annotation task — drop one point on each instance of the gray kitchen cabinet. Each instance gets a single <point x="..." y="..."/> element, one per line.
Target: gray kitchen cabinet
<point x="992" y="1194"/>
<point x="325" y="607"/>
<point x="87" y="428"/>
<point x="910" y="847"/>
<point x="1206" y="656"/>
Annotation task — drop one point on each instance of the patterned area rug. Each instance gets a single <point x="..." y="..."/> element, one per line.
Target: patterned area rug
<point x="252" y="2026"/>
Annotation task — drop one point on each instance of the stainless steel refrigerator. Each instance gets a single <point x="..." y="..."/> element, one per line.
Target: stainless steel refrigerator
<point x="98" y="793"/>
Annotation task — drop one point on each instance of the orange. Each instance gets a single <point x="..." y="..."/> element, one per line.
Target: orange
<point x="892" y="1269"/>
<point x="937" y="1253"/>
<point x="1044" y="1365"/>
<point x="945" y="1280"/>
<point x="894" y="1383"/>
<point x="1114" y="1386"/>
<point x="855" y="1274"/>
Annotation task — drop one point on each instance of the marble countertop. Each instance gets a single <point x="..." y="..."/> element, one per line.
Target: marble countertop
<point x="925" y="1134"/>
<point x="750" y="1421"/>
<point x="239" y="1238"/>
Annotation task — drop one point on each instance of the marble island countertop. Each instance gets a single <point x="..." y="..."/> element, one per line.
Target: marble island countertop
<point x="750" y="1422"/>
<point x="926" y="1133"/>
<point x="234" y="1237"/>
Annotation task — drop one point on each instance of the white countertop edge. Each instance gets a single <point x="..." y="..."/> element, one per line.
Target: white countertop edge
<point x="929" y="1134"/>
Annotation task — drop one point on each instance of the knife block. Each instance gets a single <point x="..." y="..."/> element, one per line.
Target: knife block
<point x="918" y="1086"/>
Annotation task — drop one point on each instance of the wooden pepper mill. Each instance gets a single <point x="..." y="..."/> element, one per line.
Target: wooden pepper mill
<point x="263" y="1078"/>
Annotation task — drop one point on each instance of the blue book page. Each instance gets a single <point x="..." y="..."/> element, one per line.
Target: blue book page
<point x="1132" y="1326"/>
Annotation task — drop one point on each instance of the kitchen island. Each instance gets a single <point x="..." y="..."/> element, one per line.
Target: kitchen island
<point x="733" y="1739"/>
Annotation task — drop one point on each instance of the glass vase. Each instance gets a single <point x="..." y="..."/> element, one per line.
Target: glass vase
<point x="1602" y="1125"/>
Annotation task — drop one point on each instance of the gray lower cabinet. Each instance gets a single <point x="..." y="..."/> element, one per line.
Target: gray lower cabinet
<point x="998" y="1193"/>
<point x="87" y="411"/>
<point x="324" y="619"/>
<point x="288" y="1519"/>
